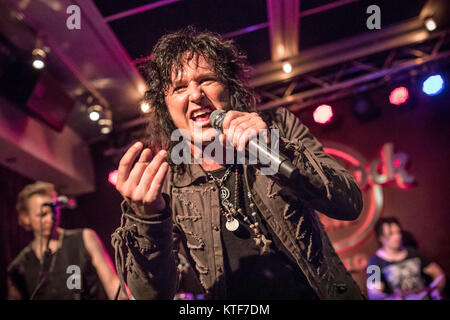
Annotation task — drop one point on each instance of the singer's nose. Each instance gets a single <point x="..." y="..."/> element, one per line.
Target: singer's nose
<point x="195" y="93"/>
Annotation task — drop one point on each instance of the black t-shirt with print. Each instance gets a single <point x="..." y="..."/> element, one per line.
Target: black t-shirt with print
<point x="250" y="275"/>
<point x="406" y="274"/>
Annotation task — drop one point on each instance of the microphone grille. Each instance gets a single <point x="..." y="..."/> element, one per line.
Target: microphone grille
<point x="216" y="119"/>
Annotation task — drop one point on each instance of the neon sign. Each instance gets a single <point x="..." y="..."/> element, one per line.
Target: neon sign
<point x="389" y="168"/>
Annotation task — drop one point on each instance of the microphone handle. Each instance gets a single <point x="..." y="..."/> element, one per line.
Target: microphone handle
<point x="278" y="162"/>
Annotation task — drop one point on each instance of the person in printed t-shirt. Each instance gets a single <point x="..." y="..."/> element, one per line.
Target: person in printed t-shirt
<point x="402" y="268"/>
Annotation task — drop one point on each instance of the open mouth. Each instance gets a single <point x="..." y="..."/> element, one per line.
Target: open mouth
<point x="201" y="116"/>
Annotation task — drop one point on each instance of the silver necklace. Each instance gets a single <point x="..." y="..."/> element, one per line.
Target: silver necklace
<point x="231" y="224"/>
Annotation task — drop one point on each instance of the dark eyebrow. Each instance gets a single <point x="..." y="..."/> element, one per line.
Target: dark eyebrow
<point x="207" y="75"/>
<point x="201" y="76"/>
<point x="177" y="82"/>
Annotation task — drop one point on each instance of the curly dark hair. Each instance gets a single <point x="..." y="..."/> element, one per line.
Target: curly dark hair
<point x="169" y="55"/>
<point x="378" y="228"/>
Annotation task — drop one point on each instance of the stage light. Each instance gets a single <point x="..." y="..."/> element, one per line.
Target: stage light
<point x="112" y="177"/>
<point x="95" y="112"/>
<point x="145" y="107"/>
<point x="287" y="67"/>
<point x="106" y="123"/>
<point x="364" y="109"/>
<point x="38" y="58"/>
<point x="430" y="24"/>
<point x="323" y="114"/>
<point x="399" y="96"/>
<point x="38" y="64"/>
<point x="433" y="85"/>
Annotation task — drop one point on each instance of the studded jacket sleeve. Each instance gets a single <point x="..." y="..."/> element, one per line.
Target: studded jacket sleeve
<point x="323" y="182"/>
<point x="151" y="263"/>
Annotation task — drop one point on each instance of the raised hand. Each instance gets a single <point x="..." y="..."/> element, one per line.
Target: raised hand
<point x="141" y="183"/>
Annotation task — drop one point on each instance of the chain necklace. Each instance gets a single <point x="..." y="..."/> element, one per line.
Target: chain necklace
<point x="232" y="224"/>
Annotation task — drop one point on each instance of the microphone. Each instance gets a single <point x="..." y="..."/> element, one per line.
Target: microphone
<point x="279" y="162"/>
<point x="62" y="202"/>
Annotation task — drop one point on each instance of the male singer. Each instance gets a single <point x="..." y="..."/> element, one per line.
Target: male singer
<point x="248" y="235"/>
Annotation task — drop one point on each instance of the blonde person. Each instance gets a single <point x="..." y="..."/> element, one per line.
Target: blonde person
<point x="78" y="266"/>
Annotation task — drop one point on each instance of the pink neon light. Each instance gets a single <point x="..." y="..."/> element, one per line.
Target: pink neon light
<point x="342" y="155"/>
<point x="323" y="114"/>
<point x="112" y="177"/>
<point x="365" y="225"/>
<point x="371" y="210"/>
<point x="399" y="96"/>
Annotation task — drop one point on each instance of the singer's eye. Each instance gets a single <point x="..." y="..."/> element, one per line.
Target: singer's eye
<point x="179" y="89"/>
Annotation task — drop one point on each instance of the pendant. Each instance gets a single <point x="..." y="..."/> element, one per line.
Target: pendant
<point x="232" y="224"/>
<point x="224" y="193"/>
<point x="263" y="243"/>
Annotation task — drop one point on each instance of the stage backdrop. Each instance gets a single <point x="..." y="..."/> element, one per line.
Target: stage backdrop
<point x="403" y="159"/>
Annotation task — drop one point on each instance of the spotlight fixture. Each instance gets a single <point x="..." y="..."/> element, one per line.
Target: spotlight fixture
<point x="433" y="85"/>
<point x="112" y="177"/>
<point x="364" y="109"/>
<point x="145" y="107"/>
<point x="399" y="96"/>
<point x="38" y="58"/>
<point x="323" y="114"/>
<point x="94" y="112"/>
<point x="430" y="24"/>
<point x="287" y="67"/>
<point x="106" y="123"/>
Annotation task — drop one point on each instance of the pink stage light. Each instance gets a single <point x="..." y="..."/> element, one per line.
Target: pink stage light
<point x="112" y="177"/>
<point x="399" y="96"/>
<point x="323" y="114"/>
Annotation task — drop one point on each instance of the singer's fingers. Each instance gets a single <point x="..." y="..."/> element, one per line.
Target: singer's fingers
<point x="137" y="170"/>
<point x="230" y="132"/>
<point x="148" y="175"/>
<point x="222" y="139"/>
<point x="241" y="119"/>
<point x="155" y="189"/>
<point x="250" y="123"/>
<point x="264" y="135"/>
<point x="245" y="138"/>
<point x="229" y="117"/>
<point x="126" y="163"/>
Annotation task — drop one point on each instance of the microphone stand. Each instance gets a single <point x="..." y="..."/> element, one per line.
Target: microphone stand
<point x="46" y="256"/>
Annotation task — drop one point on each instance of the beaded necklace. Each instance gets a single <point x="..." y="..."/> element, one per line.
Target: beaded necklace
<point x="230" y="211"/>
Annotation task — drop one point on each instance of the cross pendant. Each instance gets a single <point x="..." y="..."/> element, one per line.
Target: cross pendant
<point x="263" y="243"/>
